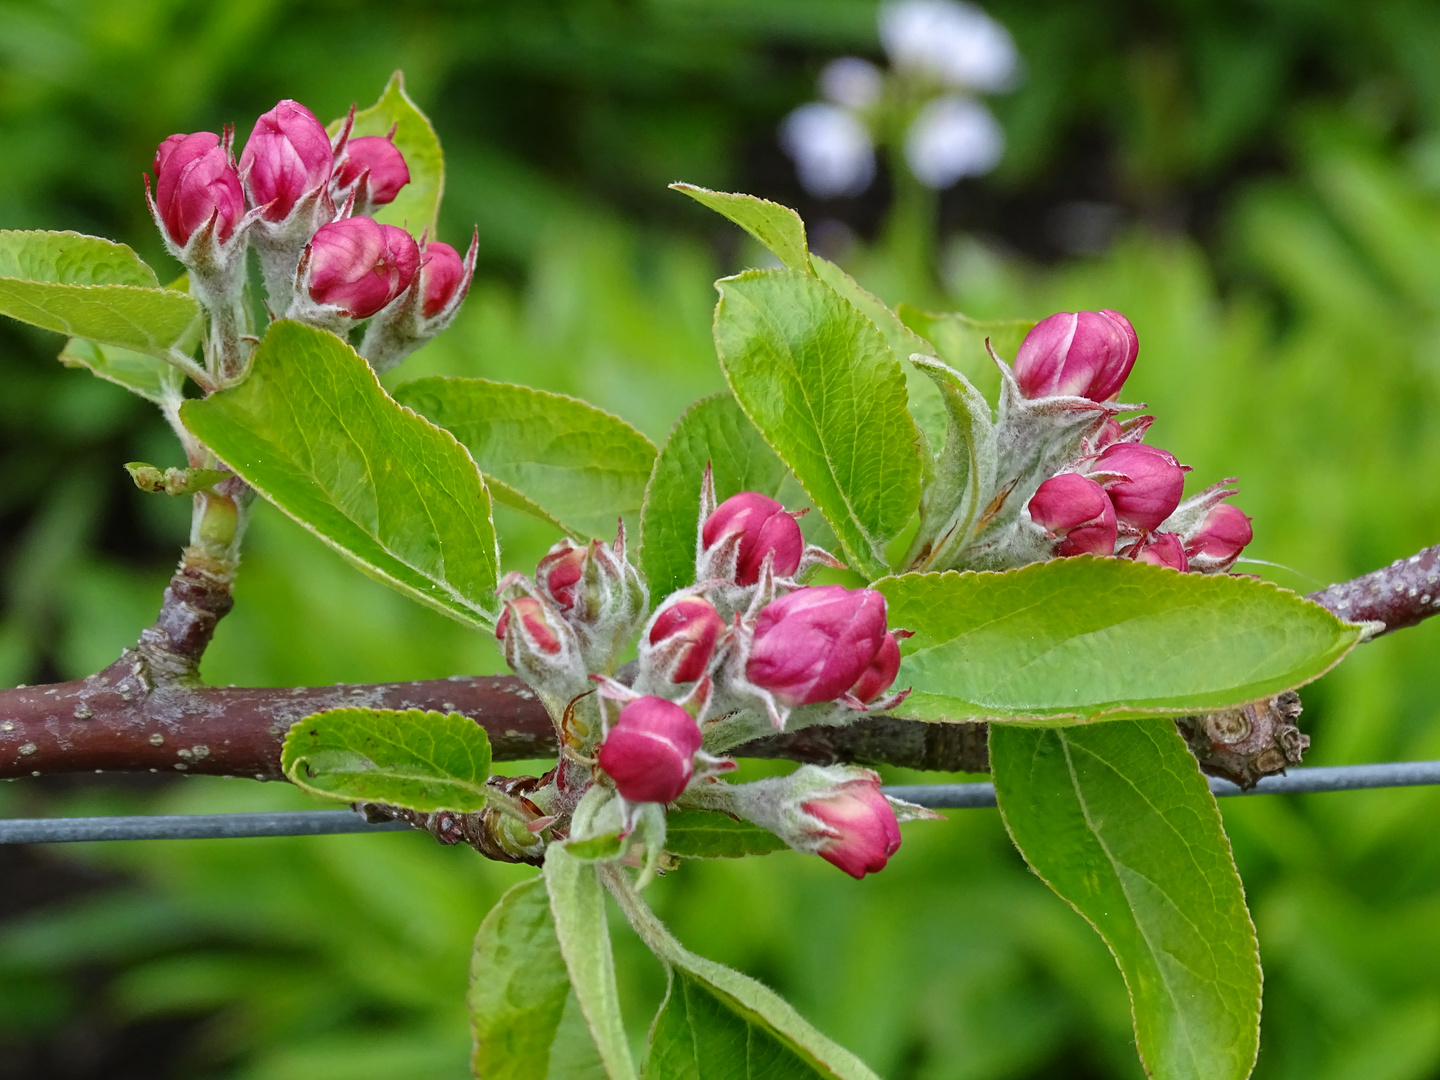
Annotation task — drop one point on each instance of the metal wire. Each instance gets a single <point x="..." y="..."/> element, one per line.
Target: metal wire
<point x="936" y="796"/>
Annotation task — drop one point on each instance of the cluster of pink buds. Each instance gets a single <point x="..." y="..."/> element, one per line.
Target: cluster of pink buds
<point x="301" y="198"/>
<point x="1120" y="496"/>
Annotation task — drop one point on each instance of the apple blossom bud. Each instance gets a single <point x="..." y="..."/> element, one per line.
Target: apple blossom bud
<point x="1086" y="354"/>
<point x="536" y="628"/>
<point x="1077" y="510"/>
<point x="441" y="274"/>
<point x="358" y="265"/>
<point x="1163" y="549"/>
<point x="1221" y="536"/>
<point x="881" y="672"/>
<point x="194" y="182"/>
<point x="860" y="826"/>
<point x="650" y="750"/>
<point x="558" y="573"/>
<point x="287" y="156"/>
<point x="764" y="528"/>
<point x="814" y="644"/>
<point x="685" y="633"/>
<point x="382" y="159"/>
<point x="1153" y="485"/>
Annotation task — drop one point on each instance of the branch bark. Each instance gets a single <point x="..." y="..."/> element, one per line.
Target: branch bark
<point x="135" y="716"/>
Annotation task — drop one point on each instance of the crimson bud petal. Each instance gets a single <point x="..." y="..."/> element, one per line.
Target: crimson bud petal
<point x="359" y="265"/>
<point x="441" y="274"/>
<point x="1151" y="492"/>
<point x="532" y="617"/>
<point x="864" y="832"/>
<point x="1086" y="354"/>
<point x="765" y="528"/>
<point x="383" y="160"/>
<point x="1222" y="535"/>
<point x="881" y="672"/>
<point x="690" y="626"/>
<point x="650" y="751"/>
<point x="1076" y="509"/>
<point x="193" y="183"/>
<point x="1163" y="549"/>
<point x="287" y="155"/>
<point x="559" y="571"/>
<point x="814" y="644"/>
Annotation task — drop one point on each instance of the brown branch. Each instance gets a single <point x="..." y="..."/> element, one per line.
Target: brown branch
<point x="134" y="717"/>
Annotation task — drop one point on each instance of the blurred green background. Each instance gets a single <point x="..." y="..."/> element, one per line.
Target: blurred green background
<point x="1266" y="179"/>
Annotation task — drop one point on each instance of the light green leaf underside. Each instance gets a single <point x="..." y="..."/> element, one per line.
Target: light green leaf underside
<point x="524" y="1015"/>
<point x="706" y="834"/>
<point x="577" y="904"/>
<point x="311" y="430"/>
<point x="1085" y="638"/>
<point x="417" y="207"/>
<point x="152" y="378"/>
<point x="818" y="381"/>
<point x="424" y="761"/>
<point x="1118" y="820"/>
<point x="71" y="258"/>
<point x="777" y="227"/>
<point x="716" y="431"/>
<point x="960" y="341"/>
<point x="551" y="455"/>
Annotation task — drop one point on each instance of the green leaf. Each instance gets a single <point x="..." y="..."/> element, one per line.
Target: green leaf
<point x="777" y="227"/>
<point x="713" y="431"/>
<point x="1085" y="638"/>
<point x="424" y="761"/>
<point x="91" y="288"/>
<point x="1118" y="820"/>
<point x="155" y="380"/>
<point x="524" y="1015"/>
<point x="960" y="341"/>
<point x="817" y="379"/>
<point x="707" y="834"/>
<point x="577" y="903"/>
<point x="554" y="456"/>
<point x="417" y="207"/>
<point x="312" y="431"/>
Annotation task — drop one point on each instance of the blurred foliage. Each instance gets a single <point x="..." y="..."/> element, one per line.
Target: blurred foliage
<point x="1292" y="338"/>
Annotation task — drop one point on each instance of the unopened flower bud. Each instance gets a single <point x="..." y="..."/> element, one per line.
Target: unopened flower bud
<point x="1077" y="510"/>
<point x="536" y="628"/>
<point x="682" y="639"/>
<point x="880" y="674"/>
<point x="382" y="160"/>
<point x="1153" y="485"/>
<point x="559" y="571"/>
<point x="358" y="265"/>
<point x="763" y="527"/>
<point x="1078" y="353"/>
<point x="650" y="750"/>
<point x="814" y="644"/>
<point x="194" y="182"/>
<point x="1163" y="549"/>
<point x="861" y="832"/>
<point x="287" y="156"/>
<point x="442" y="274"/>
<point x="1221" y="536"/>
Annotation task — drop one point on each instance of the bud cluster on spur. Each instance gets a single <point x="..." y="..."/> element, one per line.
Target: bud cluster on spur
<point x="302" y="200"/>
<point x="1061" y="474"/>
<point x="745" y="651"/>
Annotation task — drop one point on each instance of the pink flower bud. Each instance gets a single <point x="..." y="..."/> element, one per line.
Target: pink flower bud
<point x="193" y="183"/>
<point x="559" y="571"/>
<point x="765" y="528"/>
<point x="1153" y="488"/>
<point x="1222" y="535"/>
<point x="861" y="825"/>
<point x="814" y="644"/>
<point x="532" y="618"/>
<point x="690" y="627"/>
<point x="1163" y="549"/>
<point x="881" y="672"/>
<point x="383" y="160"/>
<point x="441" y="274"/>
<point x="286" y="157"/>
<point x="1076" y="509"/>
<point x="1086" y="354"/>
<point x="359" y="265"/>
<point x="650" y="751"/>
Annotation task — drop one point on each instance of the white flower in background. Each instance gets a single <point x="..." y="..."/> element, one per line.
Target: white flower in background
<point x="954" y="42"/>
<point x="831" y="147"/>
<point x="929" y="42"/>
<point x="953" y="137"/>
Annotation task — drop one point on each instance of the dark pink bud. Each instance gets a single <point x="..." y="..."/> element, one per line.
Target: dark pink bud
<point x="862" y="827"/>
<point x="1222" y="535"/>
<point x="691" y="626"/>
<point x="765" y="528"/>
<point x="532" y="617"/>
<point x="442" y="274"/>
<point x="1076" y="509"/>
<point x="1080" y="353"/>
<point x="559" y="572"/>
<point x="650" y="752"/>
<point x="193" y="183"/>
<point x="359" y="265"/>
<point x="814" y="644"/>
<point x="1153" y="488"/>
<point x="1163" y="549"/>
<point x="287" y="156"/>
<point x="881" y="672"/>
<point x="383" y="160"/>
